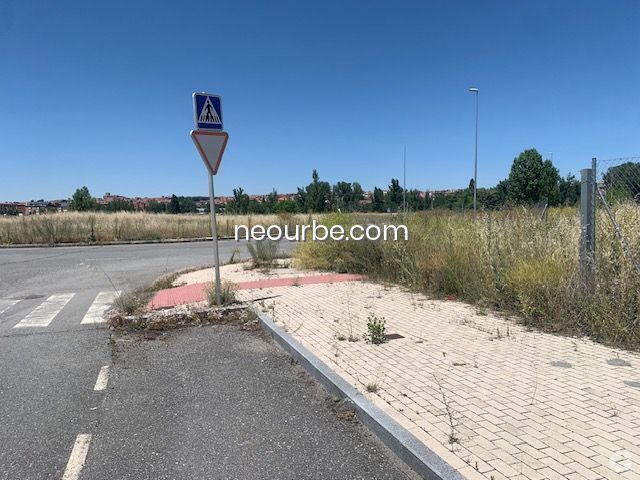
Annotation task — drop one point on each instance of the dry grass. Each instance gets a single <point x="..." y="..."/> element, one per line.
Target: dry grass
<point x="228" y="293"/>
<point x="507" y="260"/>
<point x="72" y="227"/>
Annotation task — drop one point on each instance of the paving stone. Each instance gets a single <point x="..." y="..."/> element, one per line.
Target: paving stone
<point x="502" y="393"/>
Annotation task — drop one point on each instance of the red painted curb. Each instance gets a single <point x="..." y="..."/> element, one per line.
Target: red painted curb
<point x="196" y="292"/>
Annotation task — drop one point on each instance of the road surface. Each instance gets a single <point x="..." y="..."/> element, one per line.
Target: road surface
<point x="79" y="403"/>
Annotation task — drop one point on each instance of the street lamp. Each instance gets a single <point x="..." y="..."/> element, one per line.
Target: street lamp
<point x="475" y="163"/>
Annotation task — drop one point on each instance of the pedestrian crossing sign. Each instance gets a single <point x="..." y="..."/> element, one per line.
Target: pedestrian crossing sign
<point x="207" y="111"/>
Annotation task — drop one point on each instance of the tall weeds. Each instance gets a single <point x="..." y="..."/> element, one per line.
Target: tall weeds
<point x="72" y="227"/>
<point x="508" y="260"/>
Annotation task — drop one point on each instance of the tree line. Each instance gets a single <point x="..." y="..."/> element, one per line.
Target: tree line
<point x="531" y="181"/>
<point x="82" y="201"/>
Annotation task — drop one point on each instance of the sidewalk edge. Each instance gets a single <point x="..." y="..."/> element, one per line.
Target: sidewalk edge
<point x="406" y="446"/>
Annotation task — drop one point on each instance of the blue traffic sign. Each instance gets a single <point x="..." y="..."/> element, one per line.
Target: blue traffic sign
<point x="207" y="111"/>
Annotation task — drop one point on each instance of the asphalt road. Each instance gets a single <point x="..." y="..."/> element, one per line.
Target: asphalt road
<point x="202" y="403"/>
<point x="34" y="271"/>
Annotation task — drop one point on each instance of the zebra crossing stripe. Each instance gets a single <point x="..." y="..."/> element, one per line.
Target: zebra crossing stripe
<point x="44" y="313"/>
<point x="6" y="304"/>
<point x="96" y="311"/>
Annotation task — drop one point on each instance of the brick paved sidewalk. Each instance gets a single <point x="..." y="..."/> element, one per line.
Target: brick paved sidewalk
<point x="493" y="399"/>
<point x="197" y="292"/>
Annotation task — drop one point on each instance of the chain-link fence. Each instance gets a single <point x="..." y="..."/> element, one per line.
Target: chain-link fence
<point x="619" y="179"/>
<point x="618" y="206"/>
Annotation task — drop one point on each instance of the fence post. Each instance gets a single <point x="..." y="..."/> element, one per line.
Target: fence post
<point x="588" y="225"/>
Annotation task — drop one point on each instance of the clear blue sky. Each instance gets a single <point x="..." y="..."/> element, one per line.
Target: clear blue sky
<point x="99" y="93"/>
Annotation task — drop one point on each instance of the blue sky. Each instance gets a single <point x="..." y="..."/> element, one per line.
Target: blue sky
<point x="99" y="93"/>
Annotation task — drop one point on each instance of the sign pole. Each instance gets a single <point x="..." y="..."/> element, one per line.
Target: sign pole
<point x="210" y="139"/>
<point x="214" y="232"/>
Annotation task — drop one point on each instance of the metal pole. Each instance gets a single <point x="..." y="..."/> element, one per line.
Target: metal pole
<point x="594" y="169"/>
<point x="404" y="182"/>
<point x="214" y="233"/>
<point x="475" y="167"/>
<point x="587" y="227"/>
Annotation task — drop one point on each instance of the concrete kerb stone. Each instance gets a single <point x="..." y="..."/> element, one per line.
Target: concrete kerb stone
<point x="123" y="242"/>
<point x="406" y="446"/>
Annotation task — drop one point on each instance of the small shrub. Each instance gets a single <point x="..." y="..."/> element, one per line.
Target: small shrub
<point x="263" y="253"/>
<point x="372" y="387"/>
<point x="227" y="293"/>
<point x="131" y="302"/>
<point x="165" y="282"/>
<point x="376" y="330"/>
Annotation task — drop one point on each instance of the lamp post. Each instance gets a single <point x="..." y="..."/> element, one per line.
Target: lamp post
<point x="475" y="162"/>
<point x="404" y="181"/>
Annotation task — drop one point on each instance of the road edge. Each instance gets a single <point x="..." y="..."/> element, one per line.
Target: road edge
<point x="103" y="244"/>
<point x="399" y="440"/>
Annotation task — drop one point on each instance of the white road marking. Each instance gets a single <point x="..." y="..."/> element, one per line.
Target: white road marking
<point x="77" y="457"/>
<point x="6" y="304"/>
<point x="98" y="307"/>
<point x="103" y="378"/>
<point x="46" y="312"/>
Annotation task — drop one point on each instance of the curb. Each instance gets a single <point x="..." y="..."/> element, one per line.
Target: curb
<point x="399" y="440"/>
<point x="103" y="244"/>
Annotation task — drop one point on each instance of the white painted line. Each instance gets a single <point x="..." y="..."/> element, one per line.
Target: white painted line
<point x="95" y="314"/>
<point x="46" y="312"/>
<point x="77" y="457"/>
<point x="103" y="378"/>
<point x="6" y="304"/>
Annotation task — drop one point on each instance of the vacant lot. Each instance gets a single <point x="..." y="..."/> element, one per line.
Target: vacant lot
<point x="68" y="227"/>
<point x="512" y="261"/>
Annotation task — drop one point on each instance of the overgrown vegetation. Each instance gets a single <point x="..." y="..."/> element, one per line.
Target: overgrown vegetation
<point x="134" y="301"/>
<point x="264" y="253"/>
<point x="100" y="227"/>
<point x="509" y="260"/>
<point x="227" y="293"/>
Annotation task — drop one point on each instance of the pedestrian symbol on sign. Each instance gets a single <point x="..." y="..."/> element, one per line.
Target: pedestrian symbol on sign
<point x="208" y="113"/>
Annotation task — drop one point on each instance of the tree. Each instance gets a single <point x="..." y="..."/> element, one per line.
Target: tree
<point x="415" y="201"/>
<point x="569" y="190"/>
<point x="623" y="181"/>
<point x="316" y="195"/>
<point x="271" y="202"/>
<point x="240" y="202"/>
<point x="343" y="195"/>
<point x="156" y="207"/>
<point x="82" y="201"/>
<point x="174" y="205"/>
<point x="301" y="199"/>
<point x="531" y="179"/>
<point x="286" y="206"/>
<point x="377" y="202"/>
<point x="120" y="206"/>
<point x="394" y="195"/>
<point x="358" y="193"/>
<point x="490" y="198"/>
<point x="187" y="205"/>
